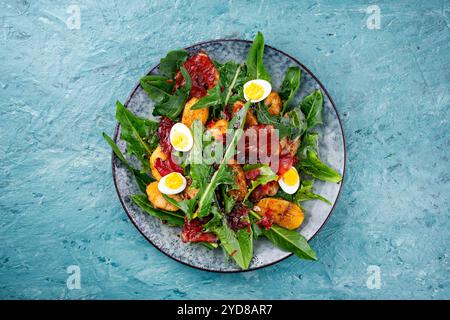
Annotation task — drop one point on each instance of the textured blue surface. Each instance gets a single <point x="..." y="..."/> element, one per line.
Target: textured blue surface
<point x="57" y="200"/>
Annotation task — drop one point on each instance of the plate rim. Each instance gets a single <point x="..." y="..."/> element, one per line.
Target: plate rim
<point x="114" y="159"/>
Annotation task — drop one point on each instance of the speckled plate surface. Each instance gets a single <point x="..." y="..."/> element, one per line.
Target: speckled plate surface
<point x="332" y="151"/>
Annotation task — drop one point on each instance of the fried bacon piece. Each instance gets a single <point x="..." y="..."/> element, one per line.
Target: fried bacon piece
<point x="193" y="232"/>
<point x="204" y="75"/>
<point x="161" y="161"/>
<point x="265" y="190"/>
<point x="238" y="217"/>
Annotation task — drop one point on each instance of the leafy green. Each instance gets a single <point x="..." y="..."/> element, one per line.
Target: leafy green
<point x="239" y="245"/>
<point x="139" y="133"/>
<point x="209" y="245"/>
<point x="223" y="174"/>
<point x="228" y="201"/>
<point x="169" y="65"/>
<point x="310" y="162"/>
<point x="305" y="193"/>
<point x="312" y="107"/>
<point x="238" y="96"/>
<point x="142" y="178"/>
<point x="245" y="240"/>
<point x="212" y="99"/>
<point x="256" y="228"/>
<point x="254" y="62"/>
<point x="187" y="206"/>
<point x="281" y="123"/>
<point x="172" y="218"/>
<point x="297" y="122"/>
<point x="158" y="88"/>
<point x="312" y="165"/>
<point x="231" y="78"/>
<point x="289" y="240"/>
<point x="174" y="104"/>
<point x="265" y="175"/>
<point x="310" y="142"/>
<point x="199" y="172"/>
<point x="289" y="86"/>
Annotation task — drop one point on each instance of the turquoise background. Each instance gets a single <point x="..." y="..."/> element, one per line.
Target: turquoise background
<point x="57" y="200"/>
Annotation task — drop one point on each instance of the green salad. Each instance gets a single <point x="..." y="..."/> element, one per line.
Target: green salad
<point x="230" y="158"/>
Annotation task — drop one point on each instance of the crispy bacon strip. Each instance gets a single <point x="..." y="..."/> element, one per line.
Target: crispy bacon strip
<point x="204" y="75"/>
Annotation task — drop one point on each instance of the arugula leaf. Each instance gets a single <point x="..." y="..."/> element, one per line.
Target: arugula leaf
<point x="237" y="96"/>
<point x="289" y="240"/>
<point x="257" y="230"/>
<point x="312" y="165"/>
<point x="209" y="245"/>
<point x="312" y="107"/>
<point x="239" y="245"/>
<point x="245" y="240"/>
<point x="232" y="72"/>
<point x="297" y="123"/>
<point x="139" y="133"/>
<point x="283" y="195"/>
<point x="187" y="206"/>
<point x="173" y="106"/>
<point x="213" y="98"/>
<point x="305" y="193"/>
<point x="228" y="201"/>
<point x="232" y="79"/>
<point x="142" y="178"/>
<point x="169" y="65"/>
<point x="281" y="123"/>
<point x="223" y="174"/>
<point x="266" y="175"/>
<point x="310" y="162"/>
<point x="289" y="86"/>
<point x="217" y="64"/>
<point x="200" y="173"/>
<point x="254" y="62"/>
<point x="172" y="218"/>
<point x="310" y="142"/>
<point x="158" y="88"/>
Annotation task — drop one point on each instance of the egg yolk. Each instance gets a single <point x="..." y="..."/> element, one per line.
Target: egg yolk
<point x="254" y="91"/>
<point x="290" y="177"/>
<point x="173" y="181"/>
<point x="179" y="140"/>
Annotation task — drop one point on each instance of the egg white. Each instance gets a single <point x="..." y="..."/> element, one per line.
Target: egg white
<point x="184" y="130"/>
<point x="163" y="188"/>
<point x="290" y="189"/>
<point x="267" y="88"/>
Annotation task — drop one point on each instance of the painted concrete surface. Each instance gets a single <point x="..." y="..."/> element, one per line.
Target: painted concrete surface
<point x="58" y="206"/>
